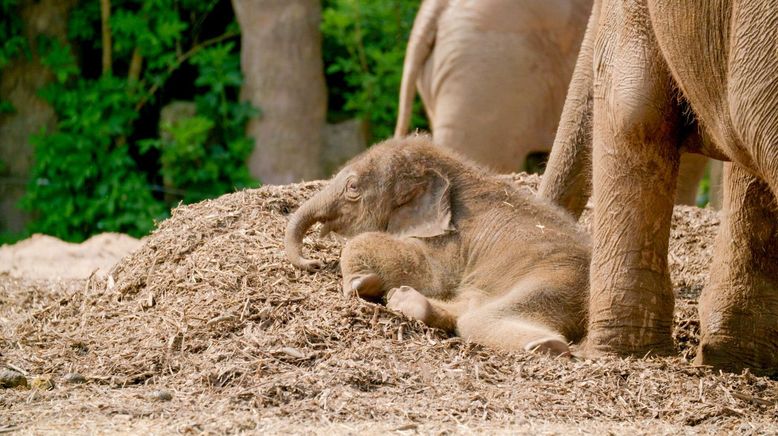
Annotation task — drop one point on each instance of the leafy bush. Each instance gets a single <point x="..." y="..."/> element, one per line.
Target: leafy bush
<point x="364" y="48"/>
<point x="105" y="169"/>
<point x="83" y="181"/>
<point x="12" y="43"/>
<point x="93" y="172"/>
<point x="206" y="154"/>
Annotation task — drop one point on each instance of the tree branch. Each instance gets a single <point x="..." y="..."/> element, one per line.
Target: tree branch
<point x="105" y="22"/>
<point x="181" y="59"/>
<point x="360" y="40"/>
<point x="136" y="64"/>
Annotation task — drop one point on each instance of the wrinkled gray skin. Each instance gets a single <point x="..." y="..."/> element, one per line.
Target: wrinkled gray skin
<point x="623" y="116"/>
<point x="452" y="246"/>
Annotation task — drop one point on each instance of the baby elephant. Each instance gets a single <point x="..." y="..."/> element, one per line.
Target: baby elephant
<point x="452" y="246"/>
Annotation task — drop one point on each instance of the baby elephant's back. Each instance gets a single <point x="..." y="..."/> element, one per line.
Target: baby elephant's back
<point x="517" y="235"/>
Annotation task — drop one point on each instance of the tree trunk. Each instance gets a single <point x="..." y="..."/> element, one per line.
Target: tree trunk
<point x="19" y="84"/>
<point x="284" y="77"/>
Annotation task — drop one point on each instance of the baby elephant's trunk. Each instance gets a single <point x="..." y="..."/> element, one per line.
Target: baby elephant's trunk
<point x="311" y="212"/>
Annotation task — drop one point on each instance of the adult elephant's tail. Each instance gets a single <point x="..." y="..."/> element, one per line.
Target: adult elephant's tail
<point x="420" y="44"/>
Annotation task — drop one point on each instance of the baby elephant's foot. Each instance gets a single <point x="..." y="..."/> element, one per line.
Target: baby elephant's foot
<point x="553" y="346"/>
<point x="368" y="286"/>
<point x="410" y="303"/>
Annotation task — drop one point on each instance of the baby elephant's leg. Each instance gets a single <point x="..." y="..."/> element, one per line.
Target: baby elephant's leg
<point x="373" y="263"/>
<point x="434" y="313"/>
<point x="496" y="329"/>
<point x="542" y="312"/>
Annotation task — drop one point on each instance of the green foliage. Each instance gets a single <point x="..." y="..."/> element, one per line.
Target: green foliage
<point x="703" y="191"/>
<point x="86" y="177"/>
<point x="206" y="154"/>
<point x="13" y="43"/>
<point x="6" y="107"/>
<point x="364" y="48"/>
<point x="84" y="180"/>
<point x="99" y="171"/>
<point x="57" y="57"/>
<point x="12" y="237"/>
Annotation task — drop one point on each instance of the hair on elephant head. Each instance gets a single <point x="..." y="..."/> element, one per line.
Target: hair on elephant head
<point x="401" y="187"/>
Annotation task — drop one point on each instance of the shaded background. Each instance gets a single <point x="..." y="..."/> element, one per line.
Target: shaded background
<point x="113" y="111"/>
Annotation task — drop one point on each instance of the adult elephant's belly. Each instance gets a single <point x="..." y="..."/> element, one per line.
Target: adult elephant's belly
<point x="496" y="97"/>
<point x="726" y="65"/>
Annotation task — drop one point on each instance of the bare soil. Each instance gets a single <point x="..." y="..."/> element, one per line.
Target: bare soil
<point x="46" y="257"/>
<point x="210" y="314"/>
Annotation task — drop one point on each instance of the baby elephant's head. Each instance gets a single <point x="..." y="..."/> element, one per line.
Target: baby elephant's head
<point x="399" y="186"/>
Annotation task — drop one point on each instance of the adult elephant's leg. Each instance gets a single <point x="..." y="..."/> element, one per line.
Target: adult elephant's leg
<point x="567" y="178"/>
<point x="635" y="166"/>
<point x="739" y="307"/>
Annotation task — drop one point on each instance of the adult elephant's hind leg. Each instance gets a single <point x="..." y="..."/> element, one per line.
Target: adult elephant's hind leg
<point x="739" y="307"/>
<point x="635" y="166"/>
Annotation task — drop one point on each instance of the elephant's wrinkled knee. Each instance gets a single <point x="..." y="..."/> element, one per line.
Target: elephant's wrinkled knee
<point x="637" y="116"/>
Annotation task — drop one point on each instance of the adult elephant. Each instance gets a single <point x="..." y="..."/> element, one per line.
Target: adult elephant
<point x="493" y="74"/>
<point x="655" y="79"/>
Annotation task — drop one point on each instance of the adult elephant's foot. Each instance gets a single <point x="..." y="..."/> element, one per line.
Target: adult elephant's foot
<point x="626" y="341"/>
<point x="739" y="307"/>
<point x="634" y="321"/>
<point x="740" y="324"/>
<point x="736" y="353"/>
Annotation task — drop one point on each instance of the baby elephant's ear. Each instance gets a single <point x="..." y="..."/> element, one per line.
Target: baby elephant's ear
<point x="427" y="212"/>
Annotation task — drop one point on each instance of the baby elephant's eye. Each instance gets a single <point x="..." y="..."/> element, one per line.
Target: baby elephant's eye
<point x="352" y="190"/>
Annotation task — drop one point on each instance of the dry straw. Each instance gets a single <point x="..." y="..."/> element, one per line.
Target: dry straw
<point x="210" y="308"/>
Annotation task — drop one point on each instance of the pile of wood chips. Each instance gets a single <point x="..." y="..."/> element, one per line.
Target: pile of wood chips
<point x="210" y="312"/>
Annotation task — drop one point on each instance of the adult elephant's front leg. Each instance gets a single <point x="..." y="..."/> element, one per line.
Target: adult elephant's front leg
<point x="635" y="166"/>
<point x="739" y="307"/>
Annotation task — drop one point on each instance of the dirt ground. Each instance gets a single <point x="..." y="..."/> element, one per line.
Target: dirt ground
<point x="206" y="328"/>
<point x="46" y="257"/>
